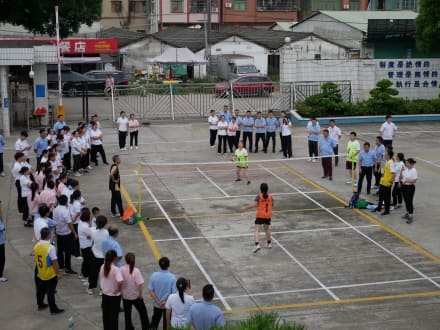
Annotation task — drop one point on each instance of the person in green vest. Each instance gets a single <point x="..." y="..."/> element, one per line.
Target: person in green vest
<point x="353" y="149"/>
<point x="241" y="158"/>
<point x="47" y="272"/>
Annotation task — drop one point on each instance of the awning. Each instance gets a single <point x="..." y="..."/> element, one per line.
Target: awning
<point x="79" y="60"/>
<point x="178" y="55"/>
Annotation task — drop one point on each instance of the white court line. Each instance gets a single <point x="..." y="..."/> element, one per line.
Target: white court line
<point x="213" y="183"/>
<point x="188" y="249"/>
<point x="356" y="230"/>
<point x="428" y="162"/>
<point x="262" y="234"/>
<point x="304" y="268"/>
<point x="230" y="196"/>
<point x="330" y="287"/>
<point x="399" y="132"/>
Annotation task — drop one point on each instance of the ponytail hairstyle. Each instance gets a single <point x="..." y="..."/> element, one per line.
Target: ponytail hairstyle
<point x="110" y="257"/>
<point x="401" y="157"/>
<point x="75" y="195"/>
<point x="182" y="285"/>
<point x="34" y="189"/>
<point x="130" y="259"/>
<point x="264" y="188"/>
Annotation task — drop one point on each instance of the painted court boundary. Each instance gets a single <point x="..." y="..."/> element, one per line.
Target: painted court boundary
<point x="420" y="249"/>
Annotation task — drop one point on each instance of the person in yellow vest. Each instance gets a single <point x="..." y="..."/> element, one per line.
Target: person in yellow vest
<point x="353" y="150"/>
<point x="385" y="184"/>
<point x="264" y="204"/>
<point x="47" y="272"/>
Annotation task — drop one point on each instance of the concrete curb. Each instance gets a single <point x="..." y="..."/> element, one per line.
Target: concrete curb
<point x="296" y="118"/>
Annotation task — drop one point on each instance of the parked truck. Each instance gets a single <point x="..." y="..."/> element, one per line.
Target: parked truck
<point x="231" y="66"/>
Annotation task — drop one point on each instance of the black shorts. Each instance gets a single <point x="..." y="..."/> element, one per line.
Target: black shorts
<point x="261" y="221"/>
<point x="348" y="165"/>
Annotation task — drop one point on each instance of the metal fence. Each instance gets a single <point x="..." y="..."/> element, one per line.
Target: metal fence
<point x="156" y="101"/>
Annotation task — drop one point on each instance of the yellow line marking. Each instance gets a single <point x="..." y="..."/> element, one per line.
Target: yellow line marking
<point x="333" y="302"/>
<point x="144" y="228"/>
<point x="369" y="217"/>
<point x="209" y="215"/>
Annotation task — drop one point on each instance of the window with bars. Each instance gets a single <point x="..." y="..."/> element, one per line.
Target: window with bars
<point x="116" y="6"/>
<point x="409" y="4"/>
<point x="138" y="6"/>
<point x="177" y="6"/>
<point x="240" y="4"/>
<point x="199" y="6"/>
<point x="276" y="4"/>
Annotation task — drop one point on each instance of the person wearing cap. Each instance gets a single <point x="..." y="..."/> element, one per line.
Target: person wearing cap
<point x="408" y="184"/>
<point x="161" y="285"/>
<point x="205" y="315"/>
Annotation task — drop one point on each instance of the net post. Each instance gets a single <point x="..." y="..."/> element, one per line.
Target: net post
<point x="139" y="180"/>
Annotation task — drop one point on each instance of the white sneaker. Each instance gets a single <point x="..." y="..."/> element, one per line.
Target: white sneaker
<point x="136" y="148"/>
<point x="123" y="149"/>
<point x="86" y="283"/>
<point x="131" y="148"/>
<point x="79" y="258"/>
<point x="309" y="159"/>
<point x="76" y="174"/>
<point x="314" y="160"/>
<point x="89" y="291"/>
<point x="3" y="279"/>
<point x="89" y="167"/>
<point x="115" y="215"/>
<point x="2" y="174"/>
<point x="256" y="248"/>
<point x="212" y="147"/>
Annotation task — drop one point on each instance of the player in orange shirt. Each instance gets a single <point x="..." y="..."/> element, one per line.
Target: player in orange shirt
<point x="264" y="204"/>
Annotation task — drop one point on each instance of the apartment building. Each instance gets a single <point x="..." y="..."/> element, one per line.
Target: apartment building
<point x="308" y="6"/>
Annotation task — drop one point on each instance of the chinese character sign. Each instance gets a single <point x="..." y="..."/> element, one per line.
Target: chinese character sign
<point x="88" y="46"/>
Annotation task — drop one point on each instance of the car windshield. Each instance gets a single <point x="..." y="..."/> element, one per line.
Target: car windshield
<point x="247" y="69"/>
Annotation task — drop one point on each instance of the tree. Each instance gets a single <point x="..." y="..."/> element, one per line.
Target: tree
<point x="382" y="101"/>
<point x="38" y="16"/>
<point x="428" y="26"/>
<point x="328" y="101"/>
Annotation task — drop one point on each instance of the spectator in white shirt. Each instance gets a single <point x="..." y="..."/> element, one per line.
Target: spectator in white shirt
<point x="212" y="122"/>
<point x="22" y="145"/>
<point x="222" y="127"/>
<point x="122" y="130"/>
<point x="96" y="141"/>
<point x="76" y="152"/>
<point x="178" y="305"/>
<point x="85" y="243"/>
<point x="75" y="211"/>
<point x="334" y="134"/>
<point x="25" y="184"/>
<point x="20" y="161"/>
<point x="99" y="234"/>
<point x="408" y="184"/>
<point x="388" y="131"/>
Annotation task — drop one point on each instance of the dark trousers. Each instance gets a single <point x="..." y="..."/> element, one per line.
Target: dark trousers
<point x="286" y="142"/>
<point x="237" y="138"/>
<point x="110" y="311"/>
<point x="87" y="261"/>
<point x="221" y="143"/>
<point x="47" y="288"/>
<point x="408" y="192"/>
<point x="270" y="135"/>
<point x="384" y="197"/>
<point x="377" y="174"/>
<point x="313" y="149"/>
<point x="116" y="201"/>
<point x="327" y="166"/>
<point x="281" y="140"/>
<point x="397" y="194"/>
<point x="75" y="243"/>
<point x="258" y="137"/>
<point x="76" y="163"/>
<point x="95" y="266"/>
<point x="142" y="310"/>
<point x="64" y="250"/>
<point x="25" y="208"/>
<point x="231" y="142"/>
<point x="67" y="160"/>
<point x="94" y="151"/>
<point x="335" y="152"/>
<point x="1" y="163"/>
<point x="134" y="137"/>
<point x="158" y="313"/>
<point x="2" y="259"/>
<point x="366" y="171"/>
<point x="387" y="143"/>
<point x="85" y="159"/>
<point x="247" y="136"/>
<point x="122" y="137"/>
<point x="19" y="201"/>
<point x="212" y="136"/>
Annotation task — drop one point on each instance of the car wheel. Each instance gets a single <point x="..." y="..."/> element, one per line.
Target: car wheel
<point x="72" y="92"/>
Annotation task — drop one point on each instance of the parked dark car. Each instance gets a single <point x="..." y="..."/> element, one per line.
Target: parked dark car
<point x="95" y="82"/>
<point x="245" y="86"/>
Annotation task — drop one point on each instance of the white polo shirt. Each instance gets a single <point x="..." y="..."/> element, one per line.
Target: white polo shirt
<point x="76" y="146"/>
<point x="20" y="145"/>
<point x="122" y="124"/>
<point x="387" y="130"/>
<point x="95" y="134"/>
<point x="62" y="217"/>
<point x="84" y="235"/>
<point x="222" y="128"/>
<point x="334" y="133"/>
<point x="213" y="120"/>
<point x="39" y="224"/>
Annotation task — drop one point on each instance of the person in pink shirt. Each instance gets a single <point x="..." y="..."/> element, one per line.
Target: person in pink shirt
<point x="232" y="134"/>
<point x="133" y="129"/>
<point x="132" y="292"/>
<point x="33" y="200"/>
<point x="111" y="279"/>
<point x="49" y="196"/>
<point x="62" y="184"/>
<point x="40" y="175"/>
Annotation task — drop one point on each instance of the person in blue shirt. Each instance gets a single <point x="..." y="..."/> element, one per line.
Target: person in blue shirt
<point x="325" y="150"/>
<point x="110" y="243"/>
<point x="271" y="126"/>
<point x="40" y="144"/>
<point x="313" y="129"/>
<point x="238" y="120"/>
<point x="161" y="285"/>
<point x="2" y="149"/>
<point x="205" y="315"/>
<point x="247" y="125"/>
<point x="366" y="163"/>
<point x="379" y="151"/>
<point x="226" y="113"/>
<point x="2" y="246"/>
<point x="260" y="131"/>
<point x="59" y="125"/>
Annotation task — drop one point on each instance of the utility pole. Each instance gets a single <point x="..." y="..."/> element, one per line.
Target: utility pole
<point x="208" y="34"/>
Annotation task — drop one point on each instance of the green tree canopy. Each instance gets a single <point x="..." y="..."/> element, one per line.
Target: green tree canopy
<point x="428" y="26"/>
<point x="38" y="16"/>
